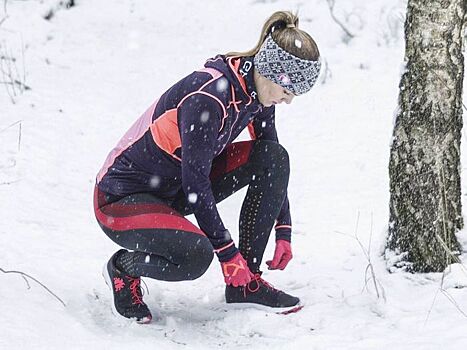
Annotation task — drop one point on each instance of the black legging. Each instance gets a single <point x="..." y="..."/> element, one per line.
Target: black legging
<point x="169" y="247"/>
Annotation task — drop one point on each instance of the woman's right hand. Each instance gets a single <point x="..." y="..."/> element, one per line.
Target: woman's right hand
<point x="236" y="271"/>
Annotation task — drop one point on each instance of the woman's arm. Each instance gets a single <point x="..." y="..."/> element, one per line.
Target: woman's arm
<point x="200" y="118"/>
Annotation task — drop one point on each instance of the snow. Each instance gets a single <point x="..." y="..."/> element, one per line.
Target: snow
<point x="192" y="197"/>
<point x="222" y="84"/>
<point x="298" y="43"/>
<point x="94" y="68"/>
<point x="155" y="181"/>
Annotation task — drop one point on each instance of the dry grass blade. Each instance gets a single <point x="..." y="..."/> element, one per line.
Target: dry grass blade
<point x="369" y="270"/>
<point x="453" y="302"/>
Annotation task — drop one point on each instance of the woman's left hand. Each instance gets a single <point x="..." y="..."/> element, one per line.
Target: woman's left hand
<point x="282" y="255"/>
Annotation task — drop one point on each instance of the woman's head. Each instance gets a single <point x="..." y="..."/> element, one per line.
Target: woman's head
<point x="286" y="60"/>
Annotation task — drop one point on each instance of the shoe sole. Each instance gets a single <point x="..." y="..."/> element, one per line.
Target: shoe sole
<point x="108" y="282"/>
<point x="278" y="310"/>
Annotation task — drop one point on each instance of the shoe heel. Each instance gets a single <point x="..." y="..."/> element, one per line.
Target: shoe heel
<point x="105" y="275"/>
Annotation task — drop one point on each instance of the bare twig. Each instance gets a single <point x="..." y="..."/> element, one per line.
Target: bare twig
<point x="327" y="73"/>
<point x="344" y="234"/>
<point x="12" y="79"/>
<point x="356" y="224"/>
<point x="370" y="265"/>
<point x="449" y="254"/>
<point x="442" y="241"/>
<point x="19" y="122"/>
<point x="24" y="275"/>
<point x="19" y="135"/>
<point x="166" y="334"/>
<point x="24" y="64"/>
<point x="448" y="296"/>
<point x="431" y="308"/>
<point x="453" y="302"/>
<point x="5" y="13"/>
<point x="369" y="268"/>
<point x="448" y="251"/>
<point x="11" y="125"/>
<point x="331" y="4"/>
<point x="371" y="232"/>
<point x="8" y="183"/>
<point x="8" y="81"/>
<point x="66" y="4"/>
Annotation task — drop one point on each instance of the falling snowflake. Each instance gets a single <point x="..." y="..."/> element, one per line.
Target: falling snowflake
<point x="204" y="117"/>
<point x="155" y="181"/>
<point x="222" y="84"/>
<point x="192" y="198"/>
<point x="298" y="43"/>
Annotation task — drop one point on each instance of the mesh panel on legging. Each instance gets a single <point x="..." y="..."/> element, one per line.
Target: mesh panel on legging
<point x="248" y="216"/>
<point x="143" y="264"/>
<point x="263" y="201"/>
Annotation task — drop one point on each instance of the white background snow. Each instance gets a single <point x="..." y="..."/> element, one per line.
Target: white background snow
<point x="96" y="67"/>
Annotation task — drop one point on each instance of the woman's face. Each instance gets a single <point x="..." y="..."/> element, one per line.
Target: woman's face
<point x="270" y="93"/>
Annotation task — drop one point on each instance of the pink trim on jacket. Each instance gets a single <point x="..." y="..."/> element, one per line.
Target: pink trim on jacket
<point x="136" y="131"/>
<point x="282" y="226"/>
<point x="223" y="248"/>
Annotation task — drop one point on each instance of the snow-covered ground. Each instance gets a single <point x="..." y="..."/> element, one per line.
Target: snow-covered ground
<point x="94" y="68"/>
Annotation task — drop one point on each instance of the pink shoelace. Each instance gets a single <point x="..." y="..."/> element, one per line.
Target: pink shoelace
<point x="136" y="294"/>
<point x="258" y="281"/>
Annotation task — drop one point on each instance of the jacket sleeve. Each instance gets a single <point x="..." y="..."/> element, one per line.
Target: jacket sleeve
<point x="263" y="127"/>
<point x="199" y="118"/>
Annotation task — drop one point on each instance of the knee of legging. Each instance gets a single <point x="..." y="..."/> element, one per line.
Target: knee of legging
<point x="272" y="155"/>
<point x="198" y="259"/>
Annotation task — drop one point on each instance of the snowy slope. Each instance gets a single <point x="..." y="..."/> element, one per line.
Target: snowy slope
<point x="96" y="67"/>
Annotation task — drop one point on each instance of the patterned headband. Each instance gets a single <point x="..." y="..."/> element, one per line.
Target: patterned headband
<point x="291" y="72"/>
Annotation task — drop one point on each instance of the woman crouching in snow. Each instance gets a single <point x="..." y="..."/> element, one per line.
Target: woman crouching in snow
<point x="179" y="158"/>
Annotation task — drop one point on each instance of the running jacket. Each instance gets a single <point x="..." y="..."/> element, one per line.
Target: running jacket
<point x="172" y="145"/>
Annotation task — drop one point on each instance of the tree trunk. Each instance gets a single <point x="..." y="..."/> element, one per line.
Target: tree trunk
<point x="424" y="167"/>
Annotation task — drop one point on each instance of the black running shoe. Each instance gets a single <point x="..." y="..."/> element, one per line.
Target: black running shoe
<point x="126" y="292"/>
<point x="258" y="291"/>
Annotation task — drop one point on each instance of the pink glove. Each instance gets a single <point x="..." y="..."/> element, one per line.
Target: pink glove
<point x="282" y="255"/>
<point x="236" y="271"/>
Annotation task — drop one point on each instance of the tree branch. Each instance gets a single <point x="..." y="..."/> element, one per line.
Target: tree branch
<point x="5" y="16"/>
<point x="331" y="4"/>
<point x="24" y="275"/>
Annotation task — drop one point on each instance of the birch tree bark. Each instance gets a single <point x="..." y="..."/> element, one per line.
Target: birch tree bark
<point x="424" y="167"/>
